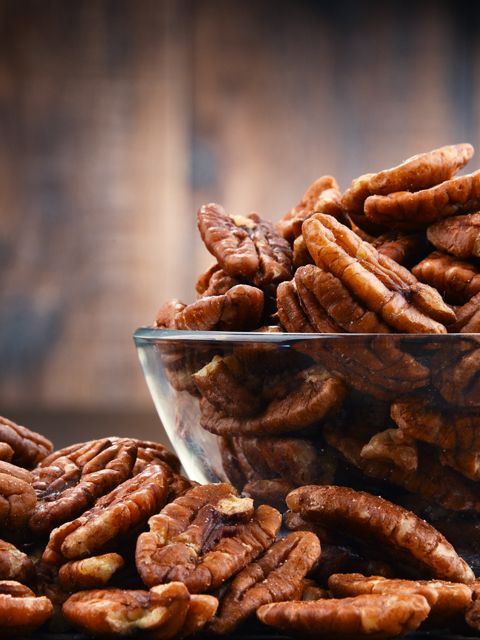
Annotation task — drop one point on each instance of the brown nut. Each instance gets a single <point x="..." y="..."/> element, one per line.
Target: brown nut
<point x="215" y="282"/>
<point x="301" y="255"/>
<point x="316" y="394"/>
<point x="380" y="283"/>
<point x="21" y="612"/>
<point x="29" y="447"/>
<point x="248" y="248"/>
<point x="343" y="558"/>
<point x="17" y="499"/>
<point x="6" y="452"/>
<point x="380" y="616"/>
<point x="409" y="211"/>
<point x="381" y="522"/>
<point x="418" y="172"/>
<point x="161" y="612"/>
<point x="204" y="537"/>
<point x="446" y="599"/>
<point x="290" y="225"/>
<point x="394" y="446"/>
<point x="14" y="564"/>
<point x="275" y="577"/>
<point x="459" y="236"/>
<point x="89" y="573"/>
<point x="405" y="249"/>
<point x="71" y="485"/>
<point x="116" y="514"/>
<point x="455" y="278"/>
<point x="467" y="317"/>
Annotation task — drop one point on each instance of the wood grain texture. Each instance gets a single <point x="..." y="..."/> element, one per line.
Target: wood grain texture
<point x="118" y="119"/>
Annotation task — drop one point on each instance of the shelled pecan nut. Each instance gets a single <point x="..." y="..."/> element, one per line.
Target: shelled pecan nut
<point x="89" y="573"/>
<point x="457" y="279"/>
<point x="21" y="611"/>
<point x="459" y="236"/>
<point x="14" y="564"/>
<point x="29" y="447"/>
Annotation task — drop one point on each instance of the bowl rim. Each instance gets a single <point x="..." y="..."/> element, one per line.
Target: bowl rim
<point x="154" y="334"/>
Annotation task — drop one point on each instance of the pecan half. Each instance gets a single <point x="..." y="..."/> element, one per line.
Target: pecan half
<point x="455" y="278"/>
<point x="316" y="394"/>
<point x="459" y="236"/>
<point x="215" y="282"/>
<point x="277" y="576"/>
<point x="29" y="447"/>
<point x="71" y="484"/>
<point x="162" y="612"/>
<point x="248" y="247"/>
<point x="6" y="452"/>
<point x="409" y="211"/>
<point x="17" y="499"/>
<point x="89" y="573"/>
<point x="380" y="283"/>
<point x="21" y="612"/>
<point x="14" y="564"/>
<point x="380" y="616"/>
<point x="394" y="446"/>
<point x="467" y="317"/>
<point x="204" y="537"/>
<point x="301" y="255"/>
<point x="114" y="516"/>
<point x="291" y="224"/>
<point x="381" y="522"/>
<point x="446" y="599"/>
<point x="404" y="248"/>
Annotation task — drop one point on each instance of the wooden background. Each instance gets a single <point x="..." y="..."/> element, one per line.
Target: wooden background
<point x="118" y="118"/>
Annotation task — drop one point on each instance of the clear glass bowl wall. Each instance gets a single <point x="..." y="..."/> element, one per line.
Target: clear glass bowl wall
<point x="395" y="415"/>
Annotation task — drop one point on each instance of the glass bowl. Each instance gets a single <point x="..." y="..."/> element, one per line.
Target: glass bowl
<point x="396" y="415"/>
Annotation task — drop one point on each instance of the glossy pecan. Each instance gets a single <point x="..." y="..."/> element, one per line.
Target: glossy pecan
<point x="204" y="537"/>
<point x="248" y="247"/>
<point x="114" y="516"/>
<point x="379" y="616"/>
<point x="314" y="395"/>
<point x="215" y="282"/>
<point x="71" y="484"/>
<point x="290" y="225"/>
<point x="6" y="452"/>
<point x="14" y="564"/>
<point x="89" y="573"/>
<point x="17" y="499"/>
<point x="301" y="256"/>
<point x="406" y="211"/>
<point x="459" y="236"/>
<point x="406" y="249"/>
<point x="467" y="317"/>
<point x="21" y="612"/>
<point x="29" y="447"/>
<point x="371" y="518"/>
<point x="275" y="577"/>
<point x="447" y="600"/>
<point x="380" y="283"/>
<point x="165" y="612"/>
<point x="457" y="279"/>
<point x="394" y="446"/>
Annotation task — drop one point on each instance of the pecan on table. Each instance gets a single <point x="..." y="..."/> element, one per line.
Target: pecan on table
<point x="14" y="564"/>
<point x="457" y="279"/>
<point x="163" y="613"/>
<point x="378" y="282"/>
<point x="71" y="484"/>
<point x="379" y="616"/>
<point x="89" y="573"/>
<point x="204" y="537"/>
<point x="446" y="599"/>
<point x="410" y="211"/>
<point x="312" y="395"/>
<point x="459" y="236"/>
<point x="21" y="611"/>
<point x="114" y="516"/>
<point x="378" y="521"/>
<point x="17" y="499"/>
<point x="418" y="172"/>
<point x="246" y="247"/>
<point x="29" y="447"/>
<point x="290" y="226"/>
<point x="215" y="282"/>
<point x="275" y="577"/>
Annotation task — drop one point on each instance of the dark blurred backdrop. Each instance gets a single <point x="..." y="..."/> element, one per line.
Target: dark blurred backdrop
<point x="118" y="118"/>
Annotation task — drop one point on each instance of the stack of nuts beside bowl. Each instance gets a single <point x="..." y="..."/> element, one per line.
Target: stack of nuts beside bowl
<point x="369" y="447"/>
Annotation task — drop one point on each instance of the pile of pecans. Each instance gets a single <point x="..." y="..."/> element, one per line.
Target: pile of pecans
<point x="107" y="537"/>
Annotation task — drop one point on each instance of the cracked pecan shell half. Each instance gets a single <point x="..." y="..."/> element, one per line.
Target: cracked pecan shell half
<point x="71" y="484"/>
<point x="163" y="613"/>
<point x="380" y="283"/>
<point x="379" y="616"/>
<point x="446" y="599"/>
<point x="315" y="394"/>
<point x="89" y="573"/>
<point x="21" y="611"/>
<point x="29" y="447"/>
<point x="246" y="247"/>
<point x="275" y="577"/>
<point x="381" y="522"/>
<point x="114" y="516"/>
<point x="205" y="537"/>
<point x="459" y="236"/>
<point x="457" y="279"/>
<point x="407" y="211"/>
